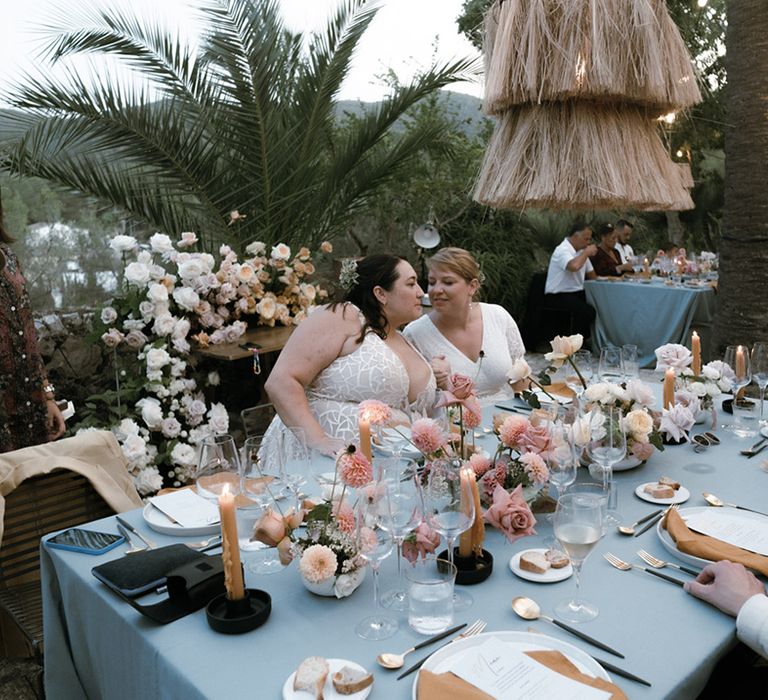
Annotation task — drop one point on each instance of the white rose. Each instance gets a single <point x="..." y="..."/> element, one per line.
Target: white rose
<point x="672" y="355"/>
<point x="196" y="408"/>
<point x="122" y="244"/>
<point x="132" y="324"/>
<point x="136" y="340"/>
<point x="266" y="308"/>
<point x="207" y="261"/>
<point x="157" y="292"/>
<point x="177" y="386"/>
<point x="256" y="248"/>
<point x="157" y="272"/>
<point x="600" y="393"/>
<point x="186" y="297"/>
<point x="213" y="378"/>
<point x="346" y="584"/>
<point x="519" y="370"/>
<point x="146" y="309"/>
<point x="161" y="243"/>
<point x="181" y="329"/>
<point x="164" y="324"/>
<point x="183" y="454"/>
<point x="157" y="358"/>
<point x="191" y="269"/>
<point x="245" y="273"/>
<point x="280" y="252"/>
<point x="126" y="427"/>
<point x="148" y="481"/>
<point x="171" y="428"/>
<point x="698" y="388"/>
<point x="188" y="238"/>
<point x="709" y="372"/>
<point x="156" y="375"/>
<point x="640" y="392"/>
<point x="638" y="422"/>
<point x="137" y="274"/>
<point x="218" y="418"/>
<point x="108" y="315"/>
<point x="563" y="347"/>
<point x="181" y="345"/>
<point x="112" y="338"/>
<point x="151" y="412"/>
<point x="308" y="291"/>
<point x="134" y="448"/>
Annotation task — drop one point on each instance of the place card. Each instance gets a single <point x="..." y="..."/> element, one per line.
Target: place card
<point x="506" y="673"/>
<point x="187" y="508"/>
<point x="747" y="533"/>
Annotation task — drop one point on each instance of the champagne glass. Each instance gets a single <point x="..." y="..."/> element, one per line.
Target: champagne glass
<point x="608" y="445"/>
<point x="218" y="465"/>
<point x="583" y="363"/>
<point x="374" y="544"/>
<point x="629" y="363"/>
<point x="737" y="357"/>
<point x="403" y="512"/>
<point x="760" y="373"/>
<point x="609" y="367"/>
<point x="578" y="528"/>
<point x="295" y="461"/>
<point x="449" y="508"/>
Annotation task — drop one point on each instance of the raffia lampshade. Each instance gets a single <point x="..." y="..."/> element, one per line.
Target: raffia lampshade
<point x="602" y="50"/>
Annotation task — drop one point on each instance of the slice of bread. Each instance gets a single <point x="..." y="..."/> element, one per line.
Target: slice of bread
<point x="311" y="676"/>
<point x="659" y="491"/>
<point x="349" y="680"/>
<point x="535" y="562"/>
<point x="667" y="481"/>
<point x="556" y="558"/>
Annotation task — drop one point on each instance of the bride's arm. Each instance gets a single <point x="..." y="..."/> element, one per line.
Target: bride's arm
<point x="317" y="341"/>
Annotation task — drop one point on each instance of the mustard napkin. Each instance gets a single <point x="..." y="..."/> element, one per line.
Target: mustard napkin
<point x="707" y="547"/>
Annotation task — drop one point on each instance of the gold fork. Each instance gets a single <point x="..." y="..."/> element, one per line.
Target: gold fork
<point x="613" y="560"/>
<point x="657" y="563"/>
<point x="475" y="628"/>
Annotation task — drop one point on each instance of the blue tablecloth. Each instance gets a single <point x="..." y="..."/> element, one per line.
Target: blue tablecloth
<point x="99" y="647"/>
<point x="647" y="315"/>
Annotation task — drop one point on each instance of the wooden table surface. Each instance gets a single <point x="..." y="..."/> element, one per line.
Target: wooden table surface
<point x="269" y="339"/>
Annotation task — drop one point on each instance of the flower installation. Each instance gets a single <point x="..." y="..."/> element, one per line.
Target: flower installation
<point x="175" y="300"/>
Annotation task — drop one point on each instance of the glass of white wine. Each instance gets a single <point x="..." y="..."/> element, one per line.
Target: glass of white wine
<point x="578" y="528"/>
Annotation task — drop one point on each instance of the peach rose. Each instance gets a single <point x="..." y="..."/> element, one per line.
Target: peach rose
<point x="563" y="347"/>
<point x="270" y="529"/>
<point x="510" y="513"/>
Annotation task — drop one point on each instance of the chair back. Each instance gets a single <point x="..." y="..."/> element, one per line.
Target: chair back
<point x="256" y="419"/>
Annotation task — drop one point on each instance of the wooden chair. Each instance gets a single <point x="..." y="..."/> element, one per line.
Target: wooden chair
<point x="256" y="419"/>
<point x="40" y="505"/>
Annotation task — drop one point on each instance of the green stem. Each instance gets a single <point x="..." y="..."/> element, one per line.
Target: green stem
<point x="576" y="369"/>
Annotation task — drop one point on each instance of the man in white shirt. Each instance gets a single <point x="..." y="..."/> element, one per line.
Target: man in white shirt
<point x="624" y="229"/>
<point x="568" y="267"/>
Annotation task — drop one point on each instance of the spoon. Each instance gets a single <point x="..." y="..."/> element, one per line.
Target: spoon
<point x="393" y="661"/>
<point x="132" y="548"/>
<point x="630" y="529"/>
<point x="529" y="609"/>
<point x="211" y="542"/>
<point x="715" y="501"/>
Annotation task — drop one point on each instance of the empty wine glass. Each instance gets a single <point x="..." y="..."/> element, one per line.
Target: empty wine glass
<point x="449" y="508"/>
<point x="760" y="373"/>
<point x="374" y="544"/>
<point x="609" y="367"/>
<point x="403" y="511"/>
<point x="295" y="461"/>
<point x="218" y="464"/>
<point x="607" y="445"/>
<point x="737" y="357"/>
<point x="561" y="458"/>
<point x="582" y="365"/>
<point x="629" y="363"/>
<point x="578" y="528"/>
<point x="637" y="264"/>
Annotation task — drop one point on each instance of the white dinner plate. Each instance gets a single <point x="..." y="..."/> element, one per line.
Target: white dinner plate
<point x="160" y="522"/>
<point x="329" y="692"/>
<point x="549" y="576"/>
<point x="764" y="431"/>
<point x="545" y="400"/>
<point x="685" y="513"/>
<point x="621" y="466"/>
<point x="390" y="441"/>
<point x="681" y="495"/>
<point x="442" y="660"/>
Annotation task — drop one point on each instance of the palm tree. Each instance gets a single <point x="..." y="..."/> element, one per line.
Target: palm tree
<point x="246" y="123"/>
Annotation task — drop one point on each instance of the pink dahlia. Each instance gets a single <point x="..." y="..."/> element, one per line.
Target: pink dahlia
<point x="535" y="468"/>
<point x="318" y="563"/>
<point x="427" y="435"/>
<point x="480" y="463"/>
<point x="355" y="470"/>
<point x="345" y="516"/>
<point x="375" y="412"/>
<point x="513" y="429"/>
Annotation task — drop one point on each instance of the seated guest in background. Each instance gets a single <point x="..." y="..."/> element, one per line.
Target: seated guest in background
<point x="350" y="351"/>
<point x="568" y="267"/>
<point x="480" y="341"/>
<point x="606" y="261"/>
<point x="624" y="233"/>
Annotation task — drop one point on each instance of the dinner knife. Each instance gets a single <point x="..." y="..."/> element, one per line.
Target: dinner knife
<point x="513" y="409"/>
<point x="653" y="572"/>
<point x="650" y="523"/>
<point x="132" y="529"/>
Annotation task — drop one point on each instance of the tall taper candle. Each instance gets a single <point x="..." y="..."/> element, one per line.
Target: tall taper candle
<point x="233" y="572"/>
<point x="696" y="350"/>
<point x="741" y="365"/>
<point x="669" y="388"/>
<point x="364" y="427"/>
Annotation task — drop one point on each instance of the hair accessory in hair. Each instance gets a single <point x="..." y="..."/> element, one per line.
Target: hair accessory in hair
<point x="480" y="275"/>
<point x="348" y="277"/>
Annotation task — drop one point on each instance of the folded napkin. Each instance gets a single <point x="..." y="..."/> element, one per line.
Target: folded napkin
<point x="707" y="547"/>
<point x="434" y="686"/>
<point x="560" y="389"/>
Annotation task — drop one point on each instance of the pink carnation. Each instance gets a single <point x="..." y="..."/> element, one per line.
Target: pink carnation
<point x="375" y="412"/>
<point x="480" y="463"/>
<point x="535" y="468"/>
<point x="427" y="435"/>
<point x="422" y="541"/>
<point x="355" y="470"/>
<point x="512" y="430"/>
<point x="510" y="513"/>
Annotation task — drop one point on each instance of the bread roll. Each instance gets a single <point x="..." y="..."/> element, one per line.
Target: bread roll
<point x="534" y="562"/>
<point x="659" y="491"/>
<point x="556" y="558"/>
<point x="348" y="680"/>
<point x="311" y="676"/>
<point x="667" y="481"/>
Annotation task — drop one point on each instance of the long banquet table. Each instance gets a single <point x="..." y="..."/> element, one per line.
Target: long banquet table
<point x="648" y="315"/>
<point x="96" y="646"/>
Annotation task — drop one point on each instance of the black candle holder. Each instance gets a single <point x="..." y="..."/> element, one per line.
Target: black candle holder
<point x="669" y="442"/>
<point x="238" y="616"/>
<point x="472" y="569"/>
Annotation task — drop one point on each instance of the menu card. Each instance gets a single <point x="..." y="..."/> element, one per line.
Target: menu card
<point x="503" y="671"/>
<point x="186" y="508"/>
<point x="748" y="533"/>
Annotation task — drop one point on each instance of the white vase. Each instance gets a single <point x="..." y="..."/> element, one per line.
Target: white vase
<point x="339" y="586"/>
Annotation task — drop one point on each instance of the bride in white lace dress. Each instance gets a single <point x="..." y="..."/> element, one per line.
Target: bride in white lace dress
<point x="350" y="351"/>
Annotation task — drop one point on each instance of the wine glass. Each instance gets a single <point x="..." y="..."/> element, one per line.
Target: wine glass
<point x="578" y="528"/>
<point x="737" y="357"/>
<point x="374" y="544"/>
<point x="637" y="264"/>
<point x="760" y="373"/>
<point x="403" y="511"/>
<point x="609" y="367"/>
<point x="582" y="360"/>
<point x="218" y="465"/>
<point x="607" y="445"/>
<point x="449" y="508"/>
<point x="561" y="459"/>
<point x="295" y="461"/>
<point x="629" y="363"/>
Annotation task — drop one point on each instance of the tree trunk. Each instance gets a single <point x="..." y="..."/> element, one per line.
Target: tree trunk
<point x="742" y="315"/>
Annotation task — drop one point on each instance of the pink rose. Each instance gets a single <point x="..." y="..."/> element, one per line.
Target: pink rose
<point x="535" y="439"/>
<point x="285" y="551"/>
<point x="642" y="450"/>
<point x="510" y="513"/>
<point x="460" y="386"/>
<point x="270" y="529"/>
<point x="422" y="541"/>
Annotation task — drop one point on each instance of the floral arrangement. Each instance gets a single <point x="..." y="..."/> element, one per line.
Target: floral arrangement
<point x="715" y="377"/>
<point x="173" y="300"/>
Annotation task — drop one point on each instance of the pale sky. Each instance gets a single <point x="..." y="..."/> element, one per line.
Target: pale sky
<point x="401" y="37"/>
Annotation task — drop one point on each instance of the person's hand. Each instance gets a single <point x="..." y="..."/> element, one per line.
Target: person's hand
<point x="442" y="370"/>
<point x="590" y="250"/>
<point x="725" y="585"/>
<point x="626" y="267"/>
<point x="54" y="420"/>
<point x="328" y="446"/>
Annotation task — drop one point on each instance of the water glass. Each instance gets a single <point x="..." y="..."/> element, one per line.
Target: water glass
<point x="609" y="367"/>
<point x="608" y="445"/>
<point x="295" y="460"/>
<point x="430" y="595"/>
<point x="218" y="467"/>
<point x="629" y="362"/>
<point x="738" y="358"/>
<point x="759" y="360"/>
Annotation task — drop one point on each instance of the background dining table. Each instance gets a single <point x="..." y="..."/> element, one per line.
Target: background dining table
<point x="649" y="314"/>
<point x="97" y="646"/>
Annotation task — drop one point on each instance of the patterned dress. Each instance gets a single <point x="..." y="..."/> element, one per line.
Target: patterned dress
<point x="23" y="415"/>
